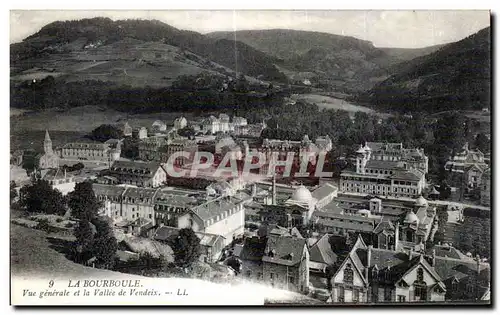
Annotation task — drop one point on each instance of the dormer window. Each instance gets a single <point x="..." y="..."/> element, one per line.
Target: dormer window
<point x="271" y="253"/>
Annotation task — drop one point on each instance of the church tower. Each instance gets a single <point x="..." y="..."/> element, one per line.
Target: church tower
<point x="47" y="143"/>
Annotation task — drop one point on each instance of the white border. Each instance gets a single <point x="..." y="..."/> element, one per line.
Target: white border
<point x="217" y="4"/>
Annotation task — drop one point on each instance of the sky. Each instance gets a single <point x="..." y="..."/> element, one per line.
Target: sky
<point x="404" y="29"/>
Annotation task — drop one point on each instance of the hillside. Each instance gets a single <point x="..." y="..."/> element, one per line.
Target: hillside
<point x="405" y="54"/>
<point x="342" y="62"/>
<point x="156" y="50"/>
<point x="457" y="76"/>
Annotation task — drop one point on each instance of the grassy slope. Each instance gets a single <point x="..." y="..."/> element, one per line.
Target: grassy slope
<point x="32" y="254"/>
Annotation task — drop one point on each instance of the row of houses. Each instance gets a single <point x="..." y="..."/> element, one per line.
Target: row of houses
<point x="360" y="273"/>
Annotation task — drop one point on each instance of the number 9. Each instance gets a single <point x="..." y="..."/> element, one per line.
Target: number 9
<point x="51" y="283"/>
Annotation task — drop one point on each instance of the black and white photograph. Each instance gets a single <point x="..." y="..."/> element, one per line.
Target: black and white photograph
<point x="251" y="157"/>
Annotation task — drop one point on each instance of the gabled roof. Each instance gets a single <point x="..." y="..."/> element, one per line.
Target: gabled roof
<point x="384" y="225"/>
<point x="284" y="250"/>
<point x="253" y="249"/>
<point x="324" y="191"/>
<point x="321" y="251"/>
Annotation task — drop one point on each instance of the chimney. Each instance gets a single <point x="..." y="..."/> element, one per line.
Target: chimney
<point x="478" y="264"/>
<point x="410" y="253"/>
<point x="396" y="237"/>
<point x="433" y="258"/>
<point x="274" y="190"/>
<point x="254" y="190"/>
<point x="368" y="260"/>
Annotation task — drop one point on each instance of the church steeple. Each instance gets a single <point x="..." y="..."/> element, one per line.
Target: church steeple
<point x="47" y="143"/>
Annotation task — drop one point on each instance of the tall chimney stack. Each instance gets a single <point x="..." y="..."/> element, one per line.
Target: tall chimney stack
<point x="368" y="260"/>
<point x="478" y="264"/>
<point x="396" y="237"/>
<point x="274" y="190"/>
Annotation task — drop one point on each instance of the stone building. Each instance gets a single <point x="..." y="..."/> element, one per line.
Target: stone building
<point x="371" y="275"/>
<point x="278" y="259"/>
<point x="49" y="159"/>
<point x="464" y="159"/>
<point x="140" y="174"/>
<point x="383" y="177"/>
<point x="180" y="123"/>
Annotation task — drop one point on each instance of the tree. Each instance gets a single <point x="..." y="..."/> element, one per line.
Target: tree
<point x="83" y="202"/>
<point x="105" y="244"/>
<point x="130" y="148"/>
<point x="105" y="132"/>
<point x="84" y="233"/>
<point x="186" y="247"/>
<point x="13" y="191"/>
<point x="39" y="196"/>
<point x="187" y="132"/>
<point x="482" y="143"/>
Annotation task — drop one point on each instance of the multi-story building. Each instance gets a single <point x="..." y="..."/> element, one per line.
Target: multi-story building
<point x="99" y="153"/>
<point x="127" y="130"/>
<point x="140" y="174"/>
<point x="465" y="159"/>
<point x="279" y="259"/>
<point x="382" y="177"/>
<point x="160" y="149"/>
<point x="159" y="126"/>
<point x="180" y="123"/>
<point x="412" y="158"/>
<point x="375" y="275"/>
<point x="222" y="215"/>
<point x="372" y="275"/>
<point x="149" y="149"/>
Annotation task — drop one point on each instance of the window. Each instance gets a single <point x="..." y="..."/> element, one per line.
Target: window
<point x="341" y="294"/>
<point x="291" y="280"/>
<point x="401" y="298"/>
<point x="355" y="295"/>
<point x="420" y="275"/>
<point x="271" y="276"/>
<point x="348" y="274"/>
<point x="420" y="292"/>
<point x="387" y="294"/>
<point x="374" y="294"/>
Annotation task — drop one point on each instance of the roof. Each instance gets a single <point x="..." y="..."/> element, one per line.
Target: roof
<point x="355" y="226"/>
<point x="387" y="146"/>
<point x="140" y="192"/>
<point x="384" y="225"/>
<point x="412" y="175"/>
<point x="135" y="167"/>
<point x="321" y="251"/>
<point x="253" y="249"/>
<point x="213" y="208"/>
<point x="284" y="250"/>
<point x="388" y="165"/>
<point x="324" y="191"/>
<point x="86" y="145"/>
<point x="108" y="190"/>
<point x="322" y="214"/>
<point x="167" y="232"/>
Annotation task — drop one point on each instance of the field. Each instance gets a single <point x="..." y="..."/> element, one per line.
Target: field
<point x="84" y="119"/>
<point x="327" y="102"/>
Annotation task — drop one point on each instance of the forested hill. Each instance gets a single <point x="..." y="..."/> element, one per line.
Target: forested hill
<point x="457" y="76"/>
<point x="335" y="61"/>
<point x="72" y="36"/>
